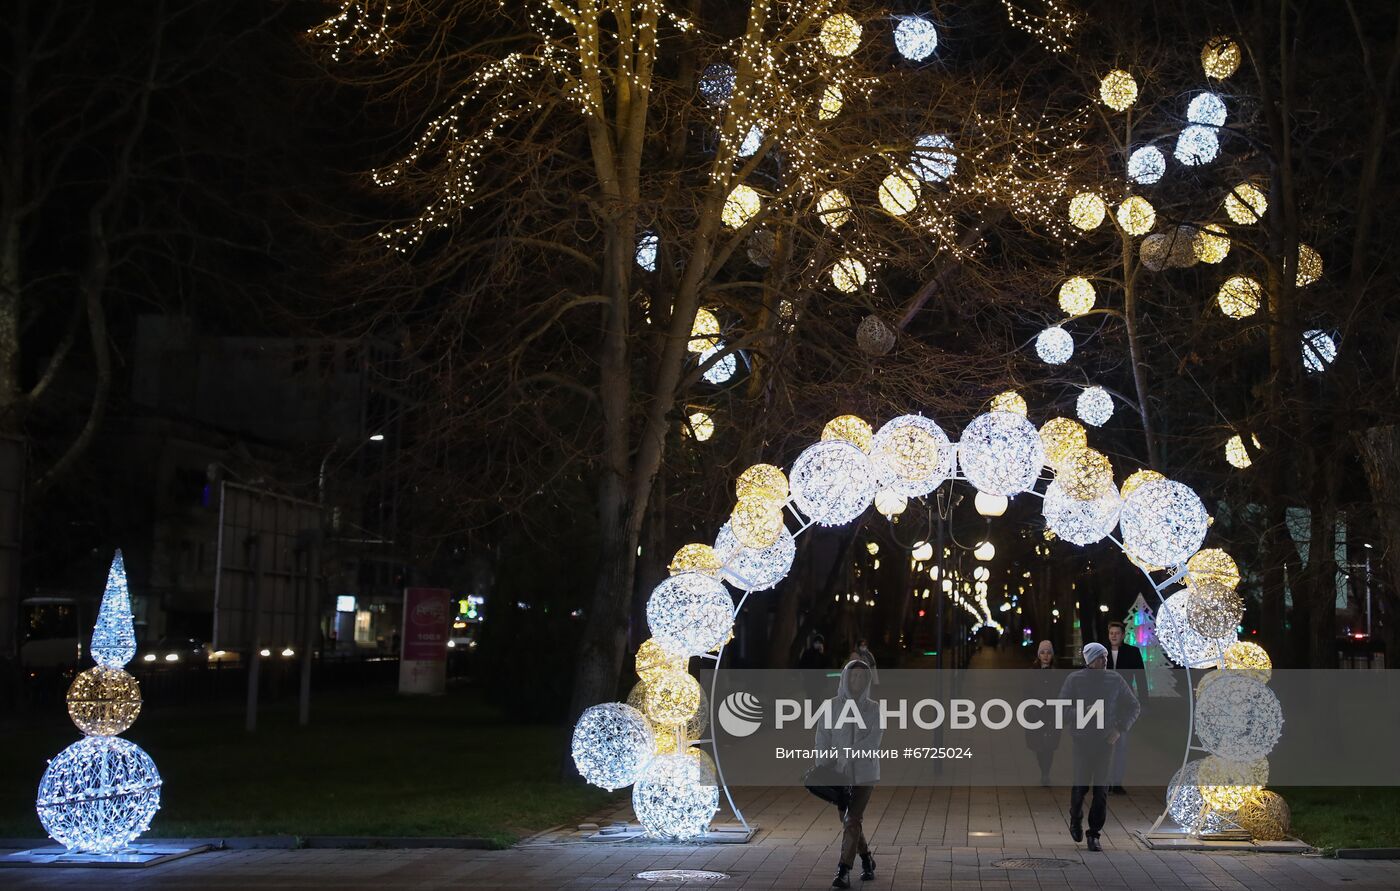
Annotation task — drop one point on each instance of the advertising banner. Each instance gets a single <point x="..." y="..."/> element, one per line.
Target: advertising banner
<point x="427" y="624"/>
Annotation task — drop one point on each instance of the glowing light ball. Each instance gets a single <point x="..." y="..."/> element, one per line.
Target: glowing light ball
<point x="1249" y="659"/>
<point x="1214" y="613"/>
<point x="695" y="558"/>
<point x="1211" y="244"/>
<point x="717" y="83"/>
<point x="899" y="193"/>
<point x="704" y="332"/>
<point x="1220" y="57"/>
<point x="1000" y="453"/>
<point x="1265" y="816"/>
<point x="701" y="426"/>
<point x="1212" y="570"/>
<point x="993" y="505"/>
<point x="98" y="795"/>
<point x="1245" y="204"/>
<point x="1009" y="400"/>
<point x="874" y="337"/>
<point x="1196" y="145"/>
<point x="1206" y="109"/>
<point x="1319" y="350"/>
<point x="653" y="659"/>
<point x="984" y="551"/>
<point x="742" y="205"/>
<point x="724" y="367"/>
<point x="933" y="159"/>
<point x="1238" y="718"/>
<point x="1182" y="644"/>
<point x="755" y="569"/>
<point x="647" y="245"/>
<point x="757" y="523"/>
<point x="753" y="141"/>
<point x="1086" y="211"/>
<point x="1309" y="266"/>
<point x="1094" y="406"/>
<point x="675" y="797"/>
<point x="1084" y="474"/>
<point x="890" y="503"/>
<point x="1239" y="296"/>
<point x="840" y="35"/>
<point x="1136" y="215"/>
<point x="1227" y="785"/>
<point x="834" y="208"/>
<point x="829" y="106"/>
<point x="1236" y="454"/>
<point x="1146" y="165"/>
<point x="848" y="274"/>
<point x="760" y="247"/>
<point x="104" y="701"/>
<point x="1187" y="807"/>
<point x="912" y="455"/>
<point x="1077" y="294"/>
<point x="915" y="37"/>
<point x="1060" y="438"/>
<point x="1163" y="522"/>
<point x="763" y="482"/>
<point x="690" y="613"/>
<point x="849" y="428"/>
<point x="1137" y="479"/>
<point x="1154" y="251"/>
<point x="1078" y="521"/>
<point x="671" y="698"/>
<point x="1054" y="345"/>
<point x="612" y="743"/>
<point x="1118" y="90"/>
<point x="114" y="634"/>
<point x="833" y="482"/>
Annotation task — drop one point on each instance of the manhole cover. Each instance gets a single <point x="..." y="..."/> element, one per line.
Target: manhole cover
<point x="1034" y="863"/>
<point x="681" y="875"/>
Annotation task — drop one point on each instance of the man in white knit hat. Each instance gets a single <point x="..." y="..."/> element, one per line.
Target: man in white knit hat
<point x="1093" y="745"/>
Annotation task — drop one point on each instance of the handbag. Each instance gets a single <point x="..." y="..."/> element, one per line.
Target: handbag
<point x="829" y="784"/>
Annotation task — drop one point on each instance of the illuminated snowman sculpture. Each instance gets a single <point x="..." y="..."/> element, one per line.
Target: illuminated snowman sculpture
<point x="100" y="793"/>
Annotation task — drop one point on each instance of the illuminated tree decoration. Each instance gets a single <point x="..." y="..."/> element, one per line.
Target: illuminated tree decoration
<point x="1319" y="350"/>
<point x="653" y="659"/>
<point x="1238" y="718"/>
<point x="696" y="558"/>
<point x="840" y="35"/>
<point x="848" y="274"/>
<point x="1214" y="612"/>
<point x="1211" y="570"/>
<point x="704" y="332"/>
<point x="1118" y="90"/>
<point x="755" y="569"/>
<point x="1079" y="521"/>
<point x="834" y="208"/>
<point x="717" y="83"/>
<point x="1206" y="109"/>
<point x="690" y="613"/>
<point x="647" y="245"/>
<point x="104" y="701"/>
<point x="1239" y="296"/>
<point x="1245" y="204"/>
<point x="612" y="742"/>
<point x="1136" y="215"/>
<point x="675" y="797"/>
<point x="1085" y="474"/>
<point x="1197" y="145"/>
<point x="1249" y="659"/>
<point x="1137" y="479"/>
<point x="723" y="369"/>
<point x="1211" y="244"/>
<point x="890" y="503"/>
<point x="874" y="337"/>
<point x="1094" y="406"/>
<point x="833" y="482"/>
<point x="753" y="141"/>
<point x="98" y="795"/>
<point x="671" y="698"/>
<point x="1077" y="294"/>
<point x="760" y="247"/>
<point x="1187" y="806"/>
<point x="912" y="455"/>
<point x="899" y="193"/>
<point x="915" y="37"/>
<point x="1009" y="400"/>
<point x="757" y="523"/>
<point x="933" y="159"/>
<point x="1155" y="251"/>
<point x="1183" y="644"/>
<point x="830" y="104"/>
<point x="1054" y="345"/>
<point x="1265" y="816"/>
<point x="1220" y="57"/>
<point x="849" y="428"/>
<point x="763" y="482"/>
<point x="700" y="425"/>
<point x="1146" y="165"/>
<point x="114" y="635"/>
<point x="1000" y="453"/>
<point x="1227" y="785"/>
<point x="1163" y="522"/>
<point x="742" y="205"/>
<point x="1236" y="455"/>
<point x="1309" y="265"/>
<point x="1060" y="438"/>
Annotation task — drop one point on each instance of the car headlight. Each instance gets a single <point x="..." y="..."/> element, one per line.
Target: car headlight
<point x="149" y="657"/>
<point x="172" y="657"/>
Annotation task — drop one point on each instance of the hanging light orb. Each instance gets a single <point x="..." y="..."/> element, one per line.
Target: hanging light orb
<point x="1163" y="522"/>
<point x="742" y="205"/>
<point x="653" y="659"/>
<point x="1220" y="57"/>
<point x="874" y="337"/>
<point x="1136" y="215"/>
<point x="1309" y="265"/>
<point x="1054" y="345"/>
<point x="912" y="455"/>
<point x="833" y="482"/>
<point x="757" y="522"/>
<point x="1236" y="455"/>
<point x="1265" y="816"/>
<point x="1245" y="204"/>
<point x="753" y="141"/>
<point x="1207" y="109"/>
<point x="1061" y="438"/>
<point x="1182" y="643"/>
<point x="759" y="247"/>
<point x="834" y="208"/>
<point x="1249" y="659"/>
<point x="763" y="482"/>
<point x="1146" y="165"/>
<point x="933" y="159"/>
<point x="830" y="104"/>
<point x="1085" y="474"/>
<point x="717" y="83"/>
<point x="1187" y="807"/>
<point x="1094" y="406"/>
<point x="647" y="245"/>
<point x="695" y="558"/>
<point x="675" y="797"/>
<point x="1196" y="145"/>
<point x="899" y="193"/>
<point x="1214" y="612"/>
<point x="690" y="613"/>
<point x="1137" y="479"/>
<point x="1319" y="350"/>
<point x="1155" y="251"/>
<point x="1077" y="521"/>
<point x="1211" y="244"/>
<point x="1212" y="570"/>
<point x="612" y="743"/>
<point x="1009" y="400"/>
<point x="700" y="425"/>
<point x="1001" y="454"/>
<point x="1238" y="718"/>
<point x="1086" y="211"/>
<point x="104" y="701"/>
<point x="915" y="37"/>
<point x="724" y="367"/>
<point x="99" y="794"/>
<point x="1077" y="294"/>
<point x="672" y="697"/>
<point x="840" y="35"/>
<point x="984" y="551"/>
<point x="890" y="503"/>
<point x="848" y="274"/>
<point x="755" y="569"/>
<point x="1239" y="296"/>
<point x="922" y="552"/>
<point x="1118" y="90"/>
<point x="990" y="505"/>
<point x="849" y="428"/>
<point x="1227" y="785"/>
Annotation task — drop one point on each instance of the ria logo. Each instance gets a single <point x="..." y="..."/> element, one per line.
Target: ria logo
<point x="740" y="714"/>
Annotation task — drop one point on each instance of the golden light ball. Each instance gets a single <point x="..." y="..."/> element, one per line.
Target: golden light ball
<point x="763" y="482"/>
<point x="1010" y="400"/>
<point x="696" y="558"/>
<point x="848" y="274"/>
<point x="1237" y="454"/>
<point x="704" y="332"/>
<point x="1211" y="569"/>
<point x="1245" y="204"/>
<point x="654" y="659"/>
<point x="1250" y="658"/>
<point x="834" y="208"/>
<point x="756" y="523"/>
<point x="1086" y="211"/>
<point x="104" y="701"/>
<point x="1239" y="296"/>
<point x="1084" y="474"/>
<point x="912" y="453"/>
<point x="849" y="428"/>
<point x="899" y="193"/>
<point x="1062" y="437"/>
<point x="742" y="205"/>
<point x="672" y="697"/>
<point x="1211" y="244"/>
<point x="830" y="104"/>
<point x="1265" y="816"/>
<point x="1077" y="296"/>
<point x="1136" y="215"/>
<point x="1227" y="785"/>
<point x="1220" y="57"/>
<point x="1137" y="479"/>
<point x="1118" y="90"/>
<point x="840" y="35"/>
<point x="1309" y="265"/>
<point x="1214" y="613"/>
<point x="701" y="426"/>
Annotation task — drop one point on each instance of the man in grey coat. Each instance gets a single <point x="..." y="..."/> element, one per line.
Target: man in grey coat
<point x="1093" y="744"/>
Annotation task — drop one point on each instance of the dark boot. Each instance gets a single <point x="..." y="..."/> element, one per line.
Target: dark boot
<point x="867" y="867"/>
<point x="1094" y="843"/>
<point x="843" y="877"/>
<point x="1076" y="831"/>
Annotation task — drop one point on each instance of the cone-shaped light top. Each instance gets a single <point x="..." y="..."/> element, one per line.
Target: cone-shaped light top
<point x="114" y="636"/>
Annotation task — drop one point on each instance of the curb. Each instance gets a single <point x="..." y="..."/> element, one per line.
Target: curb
<point x="1367" y="854"/>
<point x="290" y="842"/>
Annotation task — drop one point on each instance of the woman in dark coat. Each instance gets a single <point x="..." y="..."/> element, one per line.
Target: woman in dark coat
<point x="1044" y="684"/>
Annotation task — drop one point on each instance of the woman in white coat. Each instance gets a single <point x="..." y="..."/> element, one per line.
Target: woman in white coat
<point x="852" y="698"/>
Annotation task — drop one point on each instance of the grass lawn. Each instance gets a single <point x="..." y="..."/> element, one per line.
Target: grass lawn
<point x="371" y="763"/>
<point x="1331" y="817"/>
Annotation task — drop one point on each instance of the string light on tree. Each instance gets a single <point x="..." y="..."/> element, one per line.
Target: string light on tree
<point x="1086" y="211"/>
<point x="840" y="35"/>
<point x="1319" y="350"/>
<point x="1309" y="265"/>
<point x="1118" y="90"/>
<point x="874" y="337"/>
<point x="1136" y="215"/>
<point x="724" y="367"/>
<point x="1094" y="406"/>
<point x="1146" y="165"/>
<point x="1239" y="296"/>
<point x="1245" y="204"/>
<point x="1196" y="145"/>
<point x="1077" y="294"/>
<point x="742" y="205"/>
<point x="1220" y="57"/>
<point x="1054" y="345"/>
<point x="1206" y="109"/>
<point x="848" y="274"/>
<point x="753" y="141"/>
<point x="915" y="37"/>
<point x="899" y="193"/>
<point x="760" y="247"/>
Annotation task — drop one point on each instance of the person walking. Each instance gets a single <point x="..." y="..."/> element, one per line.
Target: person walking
<point x="1043" y="684"/>
<point x="1093" y="744"/>
<point x="1127" y="661"/>
<point x="864" y="770"/>
<point x="863" y="654"/>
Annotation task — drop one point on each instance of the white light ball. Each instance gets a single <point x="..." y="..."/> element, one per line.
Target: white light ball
<point x="717" y="83"/>
<point x="912" y="455"/>
<point x="1319" y="350"/>
<point x="721" y="371"/>
<point x="1146" y="165"/>
<point x="1001" y="453"/>
<point x="1094" y="406"/>
<point x="1238" y="718"/>
<point x="1187" y="806"/>
<point x="1197" y="145"/>
<point x="676" y="797"/>
<point x="647" y="244"/>
<point x="933" y="159"/>
<point x="915" y="37"/>
<point x="1207" y="109"/>
<point x="98" y="795"/>
<point x="1180" y="641"/>
<point x="833" y="482"/>
<point x="753" y="141"/>
<point x="690" y="613"/>
<point x="1164" y="523"/>
<point x="612" y="743"/>
<point x="1081" y="522"/>
<point x="754" y="569"/>
<point x="1054" y="345"/>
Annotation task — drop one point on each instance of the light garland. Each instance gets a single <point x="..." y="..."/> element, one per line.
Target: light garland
<point x="690" y="613"/>
<point x="1146" y="165"/>
<point x="647" y="244"/>
<point x="1309" y="265"/>
<point x="611" y="744"/>
<point x="833" y="482"/>
<point x="1094" y="406"/>
<point x="831" y="103"/>
<point x="1086" y="211"/>
<point x="755" y="569"/>
<point x="912" y="455"/>
<point x="760" y="247"/>
<point x="1136" y="215"/>
<point x="874" y="337"/>
<point x="717" y="83"/>
<point x="722" y="370"/>
<point x="1245" y="204"/>
<point x="834" y="209"/>
<point x="1163" y="522"/>
<point x="700" y="425"/>
<point x="1239" y="296"/>
<point x="1236" y="455"/>
<point x="1077" y="293"/>
<point x="1001" y="454"/>
<point x="1054" y="345"/>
